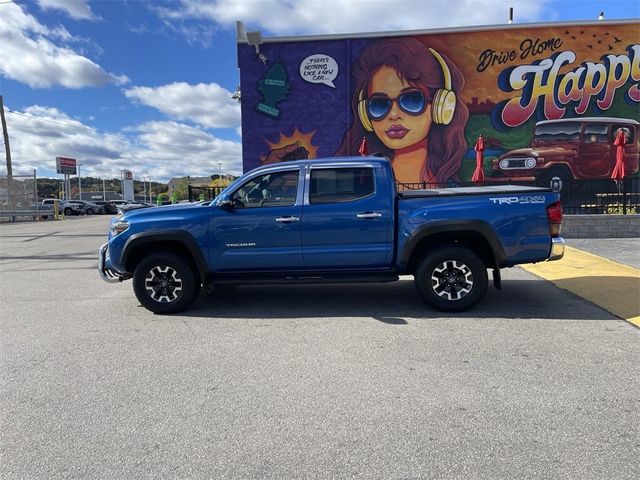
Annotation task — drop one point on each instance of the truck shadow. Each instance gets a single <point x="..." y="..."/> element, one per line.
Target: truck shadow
<point x="392" y="303"/>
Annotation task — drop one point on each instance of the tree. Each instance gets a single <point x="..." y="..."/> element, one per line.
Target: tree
<point x="181" y="190"/>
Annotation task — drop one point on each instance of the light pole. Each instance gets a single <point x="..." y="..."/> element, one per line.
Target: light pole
<point x="79" y="183"/>
<point x="144" y="188"/>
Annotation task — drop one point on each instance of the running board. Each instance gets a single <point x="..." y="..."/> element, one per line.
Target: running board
<point x="304" y="279"/>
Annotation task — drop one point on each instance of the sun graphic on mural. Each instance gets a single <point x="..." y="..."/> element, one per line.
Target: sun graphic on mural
<point x="294" y="147"/>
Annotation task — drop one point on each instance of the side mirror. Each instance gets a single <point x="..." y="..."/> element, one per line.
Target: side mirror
<point x="226" y="204"/>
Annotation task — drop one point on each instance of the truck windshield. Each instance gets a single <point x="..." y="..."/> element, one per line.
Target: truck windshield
<point x="557" y="132"/>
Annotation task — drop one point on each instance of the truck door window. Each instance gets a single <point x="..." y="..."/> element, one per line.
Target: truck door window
<point x="331" y="185"/>
<point x="595" y="133"/>
<point x="277" y="189"/>
<point x="628" y="133"/>
<point x="557" y="132"/>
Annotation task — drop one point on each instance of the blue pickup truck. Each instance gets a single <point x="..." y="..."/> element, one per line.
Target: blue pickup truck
<point x="333" y="220"/>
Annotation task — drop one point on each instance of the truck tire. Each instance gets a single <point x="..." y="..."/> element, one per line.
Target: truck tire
<point x="451" y="279"/>
<point x="544" y="180"/>
<point x="165" y="283"/>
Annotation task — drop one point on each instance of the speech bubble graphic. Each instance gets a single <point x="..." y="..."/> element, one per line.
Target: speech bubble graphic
<point x="319" y="68"/>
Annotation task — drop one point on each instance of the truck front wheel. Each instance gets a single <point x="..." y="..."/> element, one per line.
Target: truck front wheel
<point x="165" y="283"/>
<point x="451" y="279"/>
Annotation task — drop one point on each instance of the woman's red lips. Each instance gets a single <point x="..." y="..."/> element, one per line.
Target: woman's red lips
<point x="396" y="131"/>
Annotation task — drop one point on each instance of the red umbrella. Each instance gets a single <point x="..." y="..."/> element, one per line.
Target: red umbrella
<point x="363" y="148"/>
<point x="618" y="171"/>
<point x="478" y="174"/>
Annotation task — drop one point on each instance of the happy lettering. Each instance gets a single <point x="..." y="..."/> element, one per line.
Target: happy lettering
<point x="542" y="88"/>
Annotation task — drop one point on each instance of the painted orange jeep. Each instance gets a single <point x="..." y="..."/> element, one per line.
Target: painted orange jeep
<point x="571" y="149"/>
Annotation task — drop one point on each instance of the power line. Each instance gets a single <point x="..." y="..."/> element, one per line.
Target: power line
<point x="85" y="127"/>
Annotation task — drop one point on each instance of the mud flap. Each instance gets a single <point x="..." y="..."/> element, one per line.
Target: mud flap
<point x="497" y="279"/>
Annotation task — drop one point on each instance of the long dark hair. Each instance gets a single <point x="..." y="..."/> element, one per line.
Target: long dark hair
<point x="416" y="65"/>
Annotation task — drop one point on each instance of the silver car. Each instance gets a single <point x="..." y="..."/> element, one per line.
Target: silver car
<point x="65" y="208"/>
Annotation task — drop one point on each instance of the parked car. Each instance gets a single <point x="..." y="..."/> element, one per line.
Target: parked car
<point x="90" y="208"/>
<point x="570" y="149"/>
<point x="64" y="207"/>
<point x="111" y="206"/>
<point x="133" y="206"/>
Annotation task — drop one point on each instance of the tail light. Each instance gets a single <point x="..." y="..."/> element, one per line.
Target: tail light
<point x="554" y="215"/>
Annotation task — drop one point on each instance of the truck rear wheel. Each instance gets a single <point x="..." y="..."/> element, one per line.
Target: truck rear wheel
<point x="451" y="279"/>
<point x="165" y="283"/>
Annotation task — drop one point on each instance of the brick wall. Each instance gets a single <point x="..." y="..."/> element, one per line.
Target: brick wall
<point x="601" y="226"/>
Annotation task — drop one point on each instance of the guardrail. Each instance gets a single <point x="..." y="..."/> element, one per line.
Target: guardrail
<point x="42" y="214"/>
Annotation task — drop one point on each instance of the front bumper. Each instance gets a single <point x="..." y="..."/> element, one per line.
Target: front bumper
<point x="502" y="179"/>
<point x="106" y="273"/>
<point x="557" y="249"/>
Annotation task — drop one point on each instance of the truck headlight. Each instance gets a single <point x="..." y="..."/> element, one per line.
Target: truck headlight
<point x="530" y="162"/>
<point x="504" y="164"/>
<point x="118" y="227"/>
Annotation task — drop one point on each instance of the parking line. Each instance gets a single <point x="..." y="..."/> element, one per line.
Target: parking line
<point x="608" y="284"/>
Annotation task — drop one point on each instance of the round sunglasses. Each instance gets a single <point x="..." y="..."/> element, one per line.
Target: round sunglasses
<point x="412" y="102"/>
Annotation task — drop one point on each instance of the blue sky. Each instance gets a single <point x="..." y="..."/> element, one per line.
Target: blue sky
<point x="146" y="86"/>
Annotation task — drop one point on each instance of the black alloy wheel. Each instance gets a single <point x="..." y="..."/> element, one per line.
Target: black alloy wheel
<point x="451" y="279"/>
<point x="165" y="283"/>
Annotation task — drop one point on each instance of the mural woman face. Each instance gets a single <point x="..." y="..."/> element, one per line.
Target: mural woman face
<point x="399" y="112"/>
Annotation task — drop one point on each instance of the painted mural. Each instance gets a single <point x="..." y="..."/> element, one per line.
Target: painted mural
<point x="424" y="101"/>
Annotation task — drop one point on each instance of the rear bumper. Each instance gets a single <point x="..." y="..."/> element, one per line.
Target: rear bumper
<point x="557" y="248"/>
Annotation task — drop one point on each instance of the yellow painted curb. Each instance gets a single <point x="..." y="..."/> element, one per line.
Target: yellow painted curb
<point x="608" y="284"/>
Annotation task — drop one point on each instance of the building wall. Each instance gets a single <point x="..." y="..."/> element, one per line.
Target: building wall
<point x="601" y="226"/>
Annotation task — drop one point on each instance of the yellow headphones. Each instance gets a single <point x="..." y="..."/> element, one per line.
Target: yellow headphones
<point x="443" y="104"/>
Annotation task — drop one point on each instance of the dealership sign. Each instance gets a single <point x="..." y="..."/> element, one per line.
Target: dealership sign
<point x="66" y="166"/>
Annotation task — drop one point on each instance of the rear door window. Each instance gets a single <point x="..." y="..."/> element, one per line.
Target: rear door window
<point x="628" y="133"/>
<point x="333" y="185"/>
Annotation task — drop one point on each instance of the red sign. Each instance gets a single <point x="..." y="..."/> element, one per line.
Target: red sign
<point x="66" y="165"/>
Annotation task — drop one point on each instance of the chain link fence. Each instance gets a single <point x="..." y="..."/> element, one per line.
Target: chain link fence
<point x="19" y="197"/>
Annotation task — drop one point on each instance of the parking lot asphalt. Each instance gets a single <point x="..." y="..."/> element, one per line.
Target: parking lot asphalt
<point x="345" y="381"/>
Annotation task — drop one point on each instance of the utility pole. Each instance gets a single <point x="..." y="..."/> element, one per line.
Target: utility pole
<point x="79" y="183"/>
<point x="7" y="150"/>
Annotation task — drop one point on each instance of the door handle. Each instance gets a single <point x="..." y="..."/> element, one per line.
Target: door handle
<point x="287" y="219"/>
<point x="369" y="215"/>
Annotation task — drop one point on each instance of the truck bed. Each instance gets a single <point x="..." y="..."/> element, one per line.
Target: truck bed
<point x="487" y="190"/>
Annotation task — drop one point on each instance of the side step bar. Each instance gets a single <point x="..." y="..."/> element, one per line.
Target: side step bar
<point x="304" y="279"/>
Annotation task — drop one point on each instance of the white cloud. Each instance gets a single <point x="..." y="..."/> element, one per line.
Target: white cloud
<point x="284" y="17"/>
<point x="173" y="149"/>
<point x="76" y="9"/>
<point x="208" y="105"/>
<point x="158" y="149"/>
<point x="32" y="54"/>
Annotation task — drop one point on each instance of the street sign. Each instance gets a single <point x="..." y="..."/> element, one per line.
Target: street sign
<point x="66" y="166"/>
